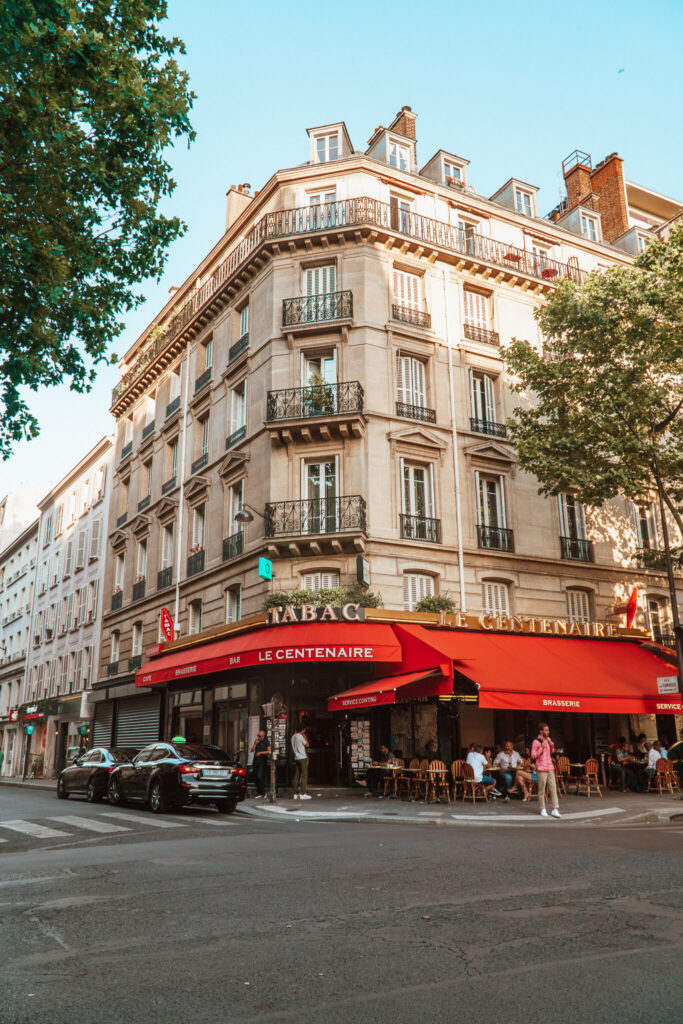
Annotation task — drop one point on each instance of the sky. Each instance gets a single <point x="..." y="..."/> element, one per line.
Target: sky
<point x="514" y="88"/>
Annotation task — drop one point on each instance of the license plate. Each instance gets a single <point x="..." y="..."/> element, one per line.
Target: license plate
<point x="215" y="773"/>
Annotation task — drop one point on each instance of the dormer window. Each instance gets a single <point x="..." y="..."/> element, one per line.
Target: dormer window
<point x="452" y="173"/>
<point x="399" y="156"/>
<point x="589" y="228"/>
<point x="327" y="148"/>
<point x="523" y="202"/>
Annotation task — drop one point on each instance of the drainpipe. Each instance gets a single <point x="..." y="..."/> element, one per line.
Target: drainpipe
<point x="454" y="436"/>
<point x="181" y="495"/>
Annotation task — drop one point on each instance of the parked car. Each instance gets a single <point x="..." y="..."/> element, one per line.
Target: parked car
<point x="89" y="773"/>
<point x="165" y="776"/>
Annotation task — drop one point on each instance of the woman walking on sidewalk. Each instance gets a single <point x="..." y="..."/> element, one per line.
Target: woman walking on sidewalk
<point x="542" y="754"/>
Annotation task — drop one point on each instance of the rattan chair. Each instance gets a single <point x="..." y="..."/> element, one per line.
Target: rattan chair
<point x="661" y="780"/>
<point x="589" y="780"/>
<point x="389" y="784"/>
<point x="421" y="783"/>
<point x="458" y="778"/>
<point x="439" y="783"/>
<point x="405" y="782"/>
<point x="673" y="775"/>
<point x="477" y="790"/>
<point x="562" y="771"/>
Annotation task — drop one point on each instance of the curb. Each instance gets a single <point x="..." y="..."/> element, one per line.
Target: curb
<point x="47" y="785"/>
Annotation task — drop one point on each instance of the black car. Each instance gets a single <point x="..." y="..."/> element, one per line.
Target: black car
<point x="89" y="773"/>
<point x="165" y="776"/>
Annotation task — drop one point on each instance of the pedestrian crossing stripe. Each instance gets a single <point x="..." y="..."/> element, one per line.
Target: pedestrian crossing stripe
<point x="89" y="824"/>
<point x="31" y="828"/>
<point x="154" y="822"/>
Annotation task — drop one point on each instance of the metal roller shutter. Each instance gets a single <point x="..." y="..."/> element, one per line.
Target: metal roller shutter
<point x="137" y="722"/>
<point x="101" y="730"/>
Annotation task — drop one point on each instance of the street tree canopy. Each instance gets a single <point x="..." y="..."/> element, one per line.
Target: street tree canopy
<point x="606" y="393"/>
<point x="91" y="96"/>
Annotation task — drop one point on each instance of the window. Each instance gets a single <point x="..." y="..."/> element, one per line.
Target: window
<point x="233" y="604"/>
<point x="167" y="545"/>
<point x="410" y="381"/>
<point x="68" y="560"/>
<point x="128" y="430"/>
<point x="572" y="517"/>
<point x="63" y="674"/>
<point x="147" y="479"/>
<point x="452" y="173"/>
<point x="399" y="156"/>
<point x="137" y="639"/>
<point x="321" y="364"/>
<point x="205" y="435"/>
<point x="208" y="353"/>
<point x="476" y="308"/>
<point x="578" y="606"/>
<point x="83" y="603"/>
<point x="491" y="501"/>
<point x="323" y="579"/>
<point x="80" y="550"/>
<point x="39" y="683"/>
<point x="541" y="257"/>
<point x="416" y="585"/>
<point x="244" y="321"/>
<point x="57" y="558"/>
<point x="235" y="503"/>
<point x="77" y="675"/>
<point x="645" y="523"/>
<point x="323" y="209"/>
<point x="100" y="483"/>
<point x="69" y="622"/>
<point x="47" y="535"/>
<point x="319" y="487"/>
<point x="327" y="148"/>
<point x="467" y="232"/>
<point x="483" y="398"/>
<point x="320" y="280"/>
<point x="119" y="574"/>
<point x="52" y="678"/>
<point x="523" y="202"/>
<point x="195" y="616"/>
<point x="494" y="598"/>
<point x="406" y="289"/>
<point x="658" y="618"/>
<point x="88" y="666"/>
<point x="198" y="520"/>
<point x="141" y="569"/>
<point x="115" y="646"/>
<point x="238" y="407"/>
<point x="93" y="588"/>
<point x="589" y="227"/>
<point x="95" y="539"/>
<point x="417" y="490"/>
<point x="60" y="519"/>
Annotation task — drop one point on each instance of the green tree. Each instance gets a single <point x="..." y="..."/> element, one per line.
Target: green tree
<point x="603" y="400"/>
<point x="91" y="96"/>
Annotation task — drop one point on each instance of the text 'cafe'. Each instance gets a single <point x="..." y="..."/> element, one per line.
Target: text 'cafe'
<point x="360" y="677"/>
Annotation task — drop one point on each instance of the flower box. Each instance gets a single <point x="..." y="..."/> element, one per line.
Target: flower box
<point x="512" y="256"/>
<point x="549" y="272"/>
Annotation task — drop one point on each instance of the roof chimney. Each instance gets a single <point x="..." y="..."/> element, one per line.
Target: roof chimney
<point x="404" y="123"/>
<point x="238" y="200"/>
<point x="576" y="169"/>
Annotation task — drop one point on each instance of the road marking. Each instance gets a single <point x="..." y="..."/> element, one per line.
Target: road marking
<point x="154" y="822"/>
<point x="212" y="821"/>
<point x="30" y="828"/>
<point x="91" y="824"/>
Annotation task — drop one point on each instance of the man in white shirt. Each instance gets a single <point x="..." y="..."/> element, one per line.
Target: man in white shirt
<point x="300" y="751"/>
<point x="653" y="755"/>
<point x="478" y="762"/>
<point x="507" y="760"/>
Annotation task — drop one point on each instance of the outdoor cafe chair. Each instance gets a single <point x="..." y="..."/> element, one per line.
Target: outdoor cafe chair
<point x="421" y="783"/>
<point x="458" y="778"/>
<point x="661" y="780"/>
<point x="476" y="790"/>
<point x="673" y="774"/>
<point x="405" y="782"/>
<point x="528" y="766"/>
<point x="390" y="782"/>
<point x="589" y="779"/>
<point x="439" y="782"/>
<point x="562" y="772"/>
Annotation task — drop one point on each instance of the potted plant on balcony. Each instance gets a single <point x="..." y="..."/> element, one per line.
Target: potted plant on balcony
<point x="549" y="272"/>
<point x="319" y="396"/>
<point x="513" y="257"/>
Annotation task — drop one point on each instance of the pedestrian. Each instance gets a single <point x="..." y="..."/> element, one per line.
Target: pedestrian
<point x="300" y="750"/>
<point x="542" y="754"/>
<point x="260" y="748"/>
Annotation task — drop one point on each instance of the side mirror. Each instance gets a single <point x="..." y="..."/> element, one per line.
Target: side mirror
<point x="76" y="760"/>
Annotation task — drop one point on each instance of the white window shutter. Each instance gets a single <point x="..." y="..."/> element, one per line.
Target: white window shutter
<point x="489" y="400"/>
<point x="69" y="610"/>
<point x="578" y="605"/>
<point x="80" y="551"/>
<point x="418" y="383"/>
<point x="564" y="518"/>
<point x="95" y="538"/>
<point x="580" y="520"/>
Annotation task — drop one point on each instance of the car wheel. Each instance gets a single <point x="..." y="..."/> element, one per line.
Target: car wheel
<point x="92" y="793"/>
<point x="61" y="790"/>
<point x="114" y="793"/>
<point x="157" y="801"/>
<point x="226" y="806"/>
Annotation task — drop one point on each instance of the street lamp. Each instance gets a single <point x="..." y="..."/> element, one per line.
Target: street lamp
<point x="244" y="514"/>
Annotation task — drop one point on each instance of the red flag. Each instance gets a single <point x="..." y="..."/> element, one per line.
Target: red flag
<point x="631" y="607"/>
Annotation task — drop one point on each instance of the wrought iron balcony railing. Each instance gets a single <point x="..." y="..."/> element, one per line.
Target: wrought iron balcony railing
<point x="139" y="590"/>
<point x="577" y="548"/>
<point x="315" y="516"/>
<point x="233" y="546"/>
<point x="195" y="563"/>
<point x="420" y="528"/>
<point x="168" y="485"/>
<point x="112" y="668"/>
<point x="495" y="538"/>
<point x="144" y="502"/>
<point x="173" y="406"/>
<point x="665" y="639"/>
<point x="415" y="412"/>
<point x="126" y="450"/>
<point x="236" y="436"/>
<point x="408" y="315"/>
<point x="134" y="663"/>
<point x="148" y="429"/>
<point x="314" y="309"/>
<point x="165" y="577"/>
<point x="315" y="400"/>
<point x="121" y="520"/>
<point x="200" y="463"/>
<point x="488" y="427"/>
<point x="203" y="379"/>
<point x="116" y="600"/>
<point x="481" y="334"/>
<point x="238" y="348"/>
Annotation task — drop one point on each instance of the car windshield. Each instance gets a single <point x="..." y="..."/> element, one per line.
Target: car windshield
<point x="194" y="752"/>
<point x="123" y="754"/>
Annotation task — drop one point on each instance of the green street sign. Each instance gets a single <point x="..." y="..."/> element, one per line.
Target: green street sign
<point x="178" y="739"/>
<point x="265" y="569"/>
<point x="29" y="729"/>
<point x="83" y="730"/>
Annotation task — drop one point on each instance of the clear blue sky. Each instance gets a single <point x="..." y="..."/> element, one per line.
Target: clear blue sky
<point x="512" y="87"/>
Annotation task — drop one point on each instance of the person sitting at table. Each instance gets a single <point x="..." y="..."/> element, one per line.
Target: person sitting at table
<point x="641" y="747"/>
<point x="622" y="759"/>
<point x="430" y="751"/>
<point x="653" y="755"/>
<point x="663" y="748"/>
<point x="507" y="760"/>
<point x="375" y="774"/>
<point x="478" y="762"/>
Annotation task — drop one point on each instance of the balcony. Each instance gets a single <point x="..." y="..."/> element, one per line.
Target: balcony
<point x="173" y="406"/>
<point x="665" y="639"/>
<point x="315" y="309"/>
<point x="165" y="577"/>
<point x="577" y="549"/>
<point x="481" y="334"/>
<point x="139" y="589"/>
<point x="112" y="668"/>
<point x="238" y="348"/>
<point x="203" y="379"/>
<point x="495" y="538"/>
<point x="415" y="412"/>
<point x="144" y="502"/>
<point x="233" y="546"/>
<point x="488" y="427"/>
<point x="420" y="528"/>
<point x="414" y="317"/>
<point x="195" y="563"/>
<point x="199" y="463"/>
<point x="349" y="218"/>
<point x="148" y="429"/>
<point x="341" y="521"/>
<point x="168" y="485"/>
<point x="121" y="520"/>
<point x="134" y="663"/>
<point x="116" y="600"/>
<point x="235" y="438"/>
<point x="126" y="450"/>
<point x="318" y="412"/>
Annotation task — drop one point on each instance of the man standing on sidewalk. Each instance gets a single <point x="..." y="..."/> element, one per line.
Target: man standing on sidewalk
<point x="260" y="748"/>
<point x="300" y="750"/>
<point x="542" y="753"/>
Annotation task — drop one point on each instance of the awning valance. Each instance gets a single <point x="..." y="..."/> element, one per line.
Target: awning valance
<point x="391" y="690"/>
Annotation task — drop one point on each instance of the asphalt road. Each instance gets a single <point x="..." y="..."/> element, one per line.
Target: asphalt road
<point x="212" y="920"/>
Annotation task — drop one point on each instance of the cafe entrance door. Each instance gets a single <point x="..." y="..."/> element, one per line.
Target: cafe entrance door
<point x="324" y="748"/>
<point x="230" y="731"/>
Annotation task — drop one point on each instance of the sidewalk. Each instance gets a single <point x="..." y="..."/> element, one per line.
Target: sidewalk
<point x="50" y="784"/>
<point x="612" y="808"/>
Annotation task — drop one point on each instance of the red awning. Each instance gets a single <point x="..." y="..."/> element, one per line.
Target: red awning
<point x="392" y="689"/>
<point x="366" y="642"/>
<point x="537" y="673"/>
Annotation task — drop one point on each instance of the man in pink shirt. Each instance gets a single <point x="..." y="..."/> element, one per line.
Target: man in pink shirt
<point x="542" y="753"/>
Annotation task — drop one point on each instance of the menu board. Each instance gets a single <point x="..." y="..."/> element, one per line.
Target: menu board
<point x="360" y="744"/>
<point x="280" y="737"/>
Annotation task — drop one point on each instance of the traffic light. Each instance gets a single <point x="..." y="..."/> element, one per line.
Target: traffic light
<point x="265" y="569"/>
